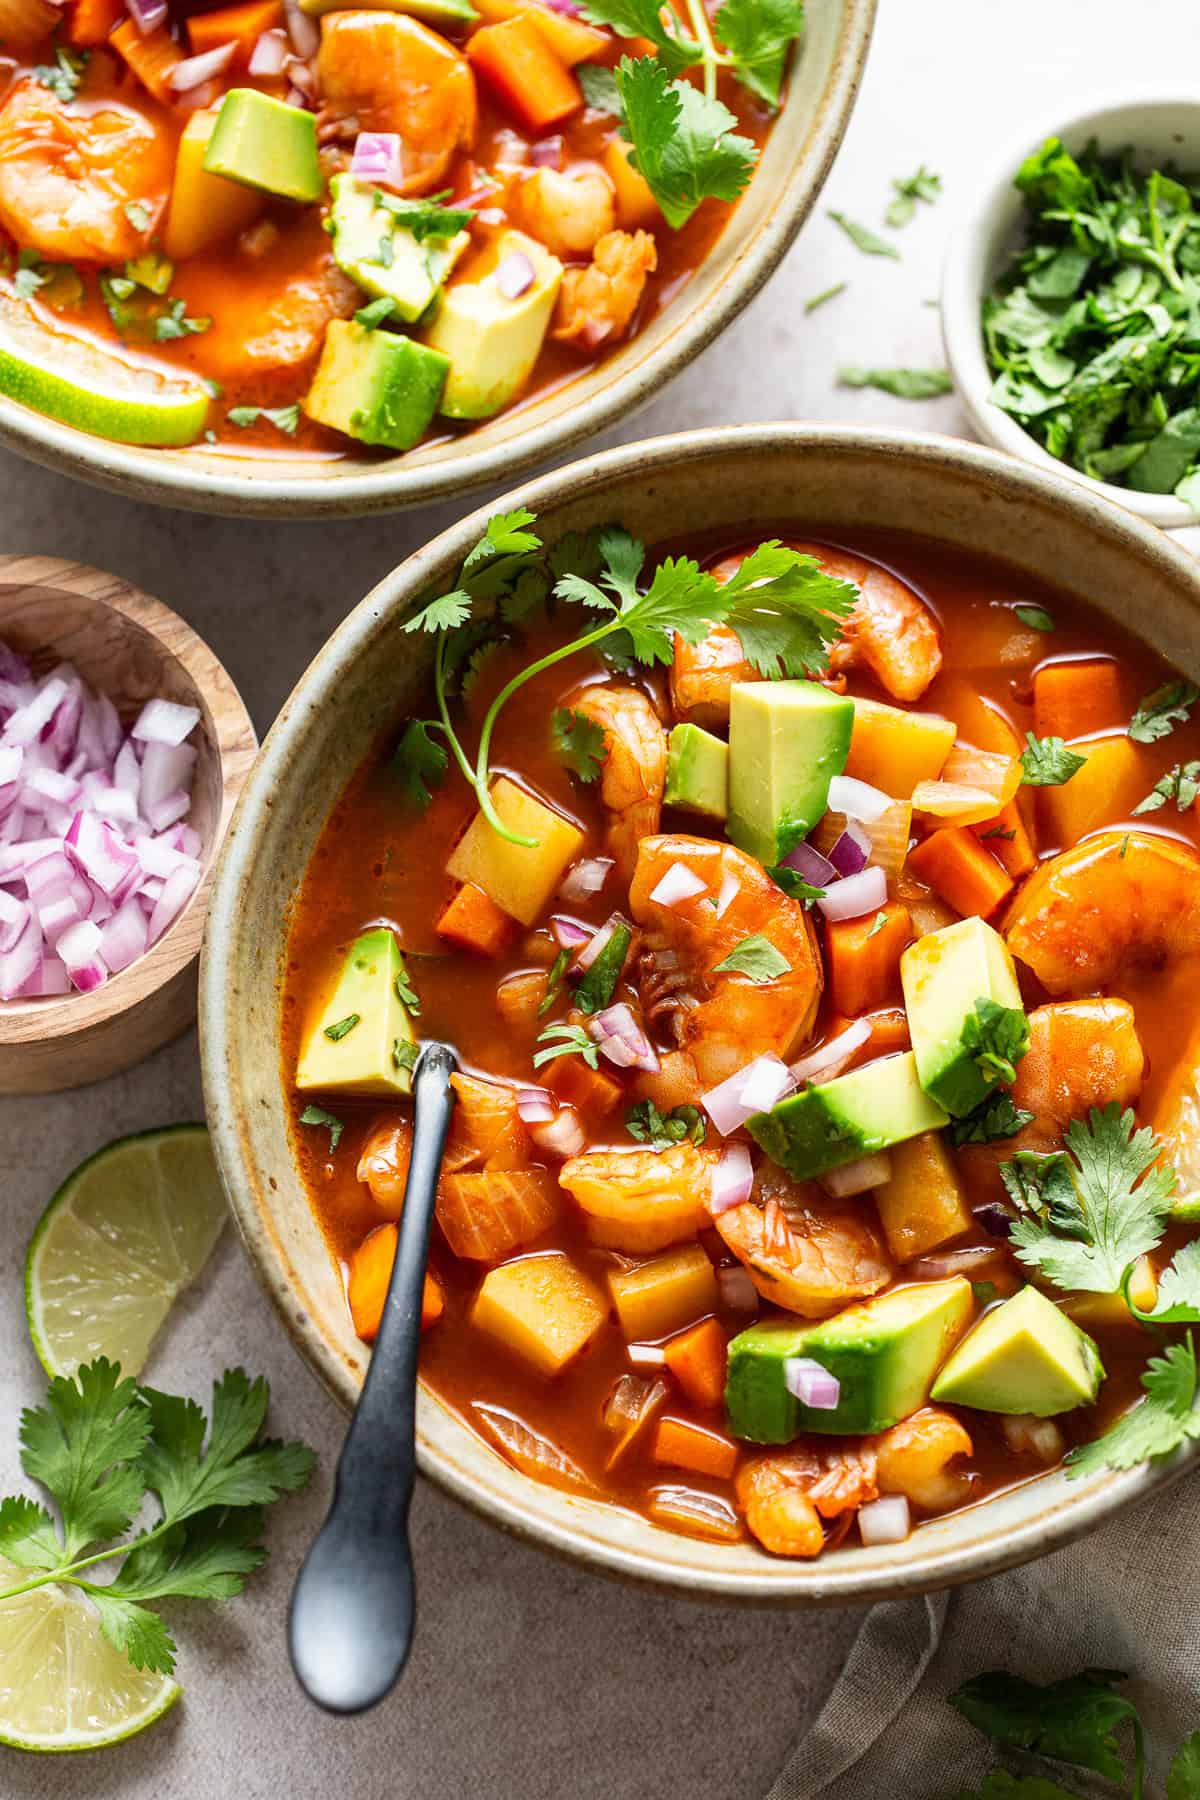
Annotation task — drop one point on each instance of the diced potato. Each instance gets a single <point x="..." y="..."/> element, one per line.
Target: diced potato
<point x="1109" y="785"/>
<point x="664" y="1295"/>
<point x="637" y="209"/>
<point x="204" y="208"/>
<point x="1100" y="1312"/>
<point x="894" y="750"/>
<point x="542" y="1307"/>
<point x="923" y="1204"/>
<point x="519" y="879"/>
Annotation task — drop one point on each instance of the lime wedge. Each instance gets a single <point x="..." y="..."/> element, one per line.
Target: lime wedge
<point x="123" y="1236"/>
<point x="72" y="379"/>
<point x="62" y="1685"/>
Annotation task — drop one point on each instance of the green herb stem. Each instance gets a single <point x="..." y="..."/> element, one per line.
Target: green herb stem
<point x="712" y="56"/>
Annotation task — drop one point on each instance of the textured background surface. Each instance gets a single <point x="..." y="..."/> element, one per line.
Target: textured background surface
<point x="530" y="1681"/>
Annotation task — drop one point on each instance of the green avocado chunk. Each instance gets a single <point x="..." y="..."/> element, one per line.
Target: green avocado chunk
<point x="1024" y="1356"/>
<point x="372" y="245"/>
<point x="944" y="975"/>
<point x="854" y="1115"/>
<point x="375" y="386"/>
<point x="359" y="1044"/>
<point x="697" y="771"/>
<point x="492" y="336"/>
<point x="264" y="144"/>
<point x="884" y="1352"/>
<point x="787" y="740"/>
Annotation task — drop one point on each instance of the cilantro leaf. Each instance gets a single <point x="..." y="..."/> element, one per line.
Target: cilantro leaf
<point x="28" y="1535"/>
<point x="406" y="993"/>
<point x="1168" y="1417"/>
<point x="82" y="1446"/>
<point x="1075" y="1720"/>
<point x="600" y="88"/>
<point x="758" y="35"/>
<point x="998" y="1036"/>
<point x="138" y="214"/>
<point x="579" y="741"/>
<point x="660" y="1130"/>
<point x="924" y="185"/>
<point x="174" y="323"/>
<point x="506" y="535"/>
<point x="786" y="610"/>
<point x="284" y="418"/>
<point x="829" y="293"/>
<point x="680" y="599"/>
<point x="1183" y="1781"/>
<point x="1180" y="784"/>
<point x="64" y="75"/>
<point x="1048" y="763"/>
<point x="995" y="1118"/>
<point x="566" y="1040"/>
<point x="425" y="218"/>
<point x="445" y="613"/>
<point x="316" y="1115"/>
<point x="600" y="979"/>
<point x="684" y="144"/>
<point x="136" y="1631"/>
<point x="419" y="762"/>
<point x="1083" y="1237"/>
<point x="903" y="384"/>
<point x="1178" y="1299"/>
<point x="232" y="1468"/>
<point x="794" y="884"/>
<point x="343" y="1027"/>
<point x="28" y="279"/>
<point x="644" y="18"/>
<point x="555" y="977"/>
<point x="404" y="1053"/>
<point x="1035" y="617"/>
<point x="756" y="957"/>
<point x="1159" y="712"/>
<point x="863" y="239"/>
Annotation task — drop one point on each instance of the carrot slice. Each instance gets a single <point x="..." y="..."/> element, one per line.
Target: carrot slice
<point x="367" y="1285"/>
<point x="957" y="867"/>
<point x="151" y="58"/>
<point x="683" y="1445"/>
<point x="516" y="61"/>
<point x="591" y="1090"/>
<point x="242" y="25"/>
<point x="1008" y="840"/>
<point x="475" y="921"/>
<point x="697" y="1358"/>
<point x="862" y="957"/>
<point x="92" y="21"/>
<point x="1071" y="699"/>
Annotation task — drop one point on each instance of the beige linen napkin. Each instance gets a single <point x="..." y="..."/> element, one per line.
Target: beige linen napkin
<point x="1128" y="1597"/>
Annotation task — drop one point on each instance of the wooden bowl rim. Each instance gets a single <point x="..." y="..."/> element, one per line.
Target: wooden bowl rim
<point x="66" y="1015"/>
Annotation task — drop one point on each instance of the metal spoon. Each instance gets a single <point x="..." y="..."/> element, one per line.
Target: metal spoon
<point x="350" y="1627"/>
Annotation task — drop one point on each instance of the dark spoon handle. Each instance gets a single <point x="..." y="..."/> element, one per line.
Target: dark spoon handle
<point x="353" y="1609"/>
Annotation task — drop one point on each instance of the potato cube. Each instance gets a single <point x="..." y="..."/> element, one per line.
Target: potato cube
<point x="542" y="1308"/>
<point x="922" y="1205"/>
<point x="894" y="750"/>
<point x="520" y="879"/>
<point x="665" y="1294"/>
<point x="1114" y="778"/>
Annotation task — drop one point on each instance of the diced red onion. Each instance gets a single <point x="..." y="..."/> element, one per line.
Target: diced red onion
<point x="48" y="784"/>
<point x="124" y="937"/>
<point x="536" y="1106"/>
<point x="303" y="31"/>
<point x="676" y="886"/>
<point x="515" y="275"/>
<point x="177" y="891"/>
<point x="26" y="725"/>
<point x="14" y="917"/>
<point x="595" y="944"/>
<point x="857" y="799"/>
<point x="147" y="15"/>
<point x="851" y="852"/>
<point x="732" y="1180"/>
<point x="618" y="1036"/>
<point x="165" y="721"/>
<point x="568" y="934"/>
<point x="169" y="810"/>
<point x="728" y="893"/>
<point x="52" y="978"/>
<point x="995" y="1218"/>
<point x="968" y="1261"/>
<point x="79" y="950"/>
<point x="585" y="879"/>
<point x="20" y="964"/>
<point x="885" y="1521"/>
<point x="646" y="1356"/>
<point x="754" y="1089"/>
<point x="737" y="1290"/>
<point x="166" y="768"/>
<point x="269" y="53"/>
<point x="378" y="157"/>
<point x="570" y="8"/>
<point x="99" y="853"/>
<point x="811" y="866"/>
<point x="811" y="1383"/>
<point x="11" y="758"/>
<point x="855" y="895"/>
<point x="858" y="1177"/>
<point x="191" y="73"/>
<point x="562" y="1136"/>
<point x="547" y="153"/>
<point x="832" y="1057"/>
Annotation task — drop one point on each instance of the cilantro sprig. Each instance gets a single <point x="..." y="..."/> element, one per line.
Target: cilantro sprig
<point x="1158" y="713"/>
<point x="100" y="1446"/>
<point x="1180" y="784"/>
<point x="1076" y="1721"/>
<point x="993" y="1120"/>
<point x="924" y="186"/>
<point x="757" y="35"/>
<point x="682" y="1124"/>
<point x="563" y="1039"/>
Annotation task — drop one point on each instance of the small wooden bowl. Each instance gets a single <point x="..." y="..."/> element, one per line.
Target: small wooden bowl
<point x="131" y="648"/>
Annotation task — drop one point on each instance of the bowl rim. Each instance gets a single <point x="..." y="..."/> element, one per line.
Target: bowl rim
<point x="967" y="252"/>
<point x="204" y="486"/>
<point x="234" y="742"/>
<point x="1062" y="1516"/>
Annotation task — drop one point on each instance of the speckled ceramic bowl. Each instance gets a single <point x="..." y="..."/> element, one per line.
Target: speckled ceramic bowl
<point x="789" y="177"/>
<point x="370" y="674"/>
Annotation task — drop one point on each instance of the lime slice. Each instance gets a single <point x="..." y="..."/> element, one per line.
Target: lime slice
<point x="123" y="1236"/>
<point x="72" y="379"/>
<point x="62" y="1685"/>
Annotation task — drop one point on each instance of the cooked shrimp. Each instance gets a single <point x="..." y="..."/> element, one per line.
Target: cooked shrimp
<point x="674" y="1083"/>
<point x="891" y="631"/>
<point x="918" y="1458"/>
<point x="382" y="71"/>
<point x="596" y="304"/>
<point x="803" y="1251"/>
<point x="69" y="171"/>
<point x="786" y="1494"/>
<point x="722" y="1020"/>
<point x="383" y="1164"/>
<point x="642" y="1200"/>
<point x="568" y="213"/>
<point x="702" y="674"/>
<point x="635" y="766"/>
<point x="485" y="1133"/>
<point x="1119" y="899"/>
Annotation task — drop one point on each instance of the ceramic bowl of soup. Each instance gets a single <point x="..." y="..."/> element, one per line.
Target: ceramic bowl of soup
<point x="338" y="262"/>
<point x="583" y="1313"/>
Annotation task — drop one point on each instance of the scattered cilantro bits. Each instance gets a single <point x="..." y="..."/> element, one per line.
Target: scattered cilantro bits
<point x="924" y="186"/>
<point x="284" y="418"/>
<point x="1158" y="713"/>
<point x="682" y="1124"/>
<point x="317" y="1115"/>
<point x="1035" y="617"/>
<point x="902" y="384"/>
<point x="1166" y="1418"/>
<point x="579" y="741"/>
<point x="565" y="1040"/>
<point x="864" y="239"/>
<point x="829" y="293"/>
<point x="992" y="1121"/>
<point x="755" y="957"/>
<point x="1180" y="784"/>
<point x="1047" y="762"/>
<point x="998" y="1037"/>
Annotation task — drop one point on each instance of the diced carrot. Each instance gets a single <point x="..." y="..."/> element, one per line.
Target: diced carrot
<point x="894" y="749"/>
<point x="518" y="998"/>
<point x="683" y="1445"/>
<point x="889" y="1033"/>
<point x="475" y="921"/>
<point x="958" y="868"/>
<point x="1008" y="840"/>
<point x="367" y="1285"/>
<point x="697" y="1358"/>
<point x="579" y="42"/>
<point x="1071" y="699"/>
<point x="637" y="209"/>
<point x="91" y="21"/>
<point x="518" y="64"/>
<point x="591" y="1090"/>
<point x="242" y="25"/>
<point x="863" y="957"/>
<point x="151" y="58"/>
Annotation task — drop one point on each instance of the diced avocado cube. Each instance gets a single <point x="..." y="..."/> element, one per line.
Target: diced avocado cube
<point x="1024" y="1356"/>
<point x="697" y="771"/>
<point x="433" y="12"/>
<point x="361" y="1041"/>
<point x="787" y="740"/>
<point x="264" y="144"/>
<point x="375" y="386"/>
<point x="855" y="1115"/>
<point x="943" y="975"/>
<point x="374" y="248"/>
<point x="884" y="1352"/>
<point x="491" y="338"/>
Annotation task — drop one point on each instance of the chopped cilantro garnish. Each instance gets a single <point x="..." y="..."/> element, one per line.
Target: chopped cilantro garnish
<point x="343" y="1027"/>
<point x="877" y="923"/>
<point x="63" y="76"/>
<point x="903" y="384"/>
<point x="405" y="1053"/>
<point x="138" y="215"/>
<point x="153" y="272"/>
<point x="579" y="741"/>
<point x="406" y="993"/>
<point x="316" y="1115"/>
<point x="423" y="218"/>
<point x="174" y="323"/>
<point x="794" y="884"/>
<point x="1168" y="1417"/>
<point x="924" y="185"/>
<point x="1180" y="784"/>
<point x="994" y="1119"/>
<point x="1048" y="763"/>
<point x="998" y="1036"/>
<point x="566" y="1040"/>
<point x="660" y="1130"/>
<point x="756" y="957"/>
<point x="1159" y="713"/>
<point x="555" y="977"/>
<point x="829" y="293"/>
<point x="864" y="239"/>
<point x="284" y="418"/>
<point x="1035" y="617"/>
<point x="998" y="831"/>
<point x="599" y="982"/>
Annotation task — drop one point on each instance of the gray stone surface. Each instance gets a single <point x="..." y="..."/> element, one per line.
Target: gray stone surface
<point x="530" y="1681"/>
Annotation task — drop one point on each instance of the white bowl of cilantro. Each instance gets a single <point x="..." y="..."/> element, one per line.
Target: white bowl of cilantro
<point x="1071" y="306"/>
